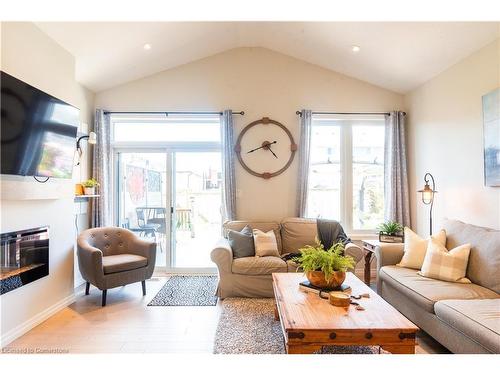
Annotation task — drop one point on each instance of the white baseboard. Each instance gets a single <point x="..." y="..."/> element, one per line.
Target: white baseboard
<point x="21" y="329"/>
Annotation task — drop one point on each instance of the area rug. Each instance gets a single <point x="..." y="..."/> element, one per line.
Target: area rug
<point x="247" y="326"/>
<point x="187" y="291"/>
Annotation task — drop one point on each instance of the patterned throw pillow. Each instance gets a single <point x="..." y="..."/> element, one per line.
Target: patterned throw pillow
<point x="415" y="248"/>
<point x="265" y="243"/>
<point x="441" y="264"/>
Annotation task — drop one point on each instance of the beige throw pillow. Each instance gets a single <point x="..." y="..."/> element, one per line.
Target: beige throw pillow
<point x="441" y="264"/>
<point x="415" y="248"/>
<point x="265" y="243"/>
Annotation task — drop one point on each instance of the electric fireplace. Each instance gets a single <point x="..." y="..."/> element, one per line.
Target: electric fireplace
<point x="24" y="257"/>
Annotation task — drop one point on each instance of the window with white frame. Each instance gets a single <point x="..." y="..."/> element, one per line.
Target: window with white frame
<point x="158" y="128"/>
<point x="346" y="170"/>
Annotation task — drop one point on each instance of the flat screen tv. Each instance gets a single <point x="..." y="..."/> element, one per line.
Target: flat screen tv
<point x="38" y="131"/>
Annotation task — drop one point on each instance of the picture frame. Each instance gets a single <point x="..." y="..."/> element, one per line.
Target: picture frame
<point x="491" y="129"/>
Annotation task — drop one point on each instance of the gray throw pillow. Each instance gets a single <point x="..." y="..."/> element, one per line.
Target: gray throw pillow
<point x="242" y="242"/>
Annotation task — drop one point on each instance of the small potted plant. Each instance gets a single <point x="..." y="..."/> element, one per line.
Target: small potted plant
<point x="391" y="231"/>
<point x="324" y="268"/>
<point x="89" y="186"/>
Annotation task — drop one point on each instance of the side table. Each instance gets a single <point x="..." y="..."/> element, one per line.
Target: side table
<point x="369" y="247"/>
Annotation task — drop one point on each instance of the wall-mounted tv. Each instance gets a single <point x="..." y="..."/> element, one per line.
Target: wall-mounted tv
<point x="38" y="132"/>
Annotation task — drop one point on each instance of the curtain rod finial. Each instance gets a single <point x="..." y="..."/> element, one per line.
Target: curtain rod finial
<point x="298" y="113"/>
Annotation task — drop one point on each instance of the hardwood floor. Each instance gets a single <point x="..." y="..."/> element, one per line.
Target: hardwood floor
<point x="128" y="325"/>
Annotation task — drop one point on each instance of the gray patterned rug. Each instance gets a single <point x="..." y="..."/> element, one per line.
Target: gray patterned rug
<point x="247" y="326"/>
<point x="187" y="291"/>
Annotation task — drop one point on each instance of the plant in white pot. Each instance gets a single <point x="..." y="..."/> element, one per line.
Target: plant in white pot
<point x="89" y="186"/>
<point x="324" y="268"/>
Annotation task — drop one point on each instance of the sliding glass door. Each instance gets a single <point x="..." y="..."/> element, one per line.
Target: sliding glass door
<point x="173" y="198"/>
<point x="167" y="172"/>
<point x="196" y="198"/>
<point x="143" y="203"/>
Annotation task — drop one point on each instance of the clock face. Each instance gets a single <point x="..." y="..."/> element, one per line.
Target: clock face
<point x="265" y="148"/>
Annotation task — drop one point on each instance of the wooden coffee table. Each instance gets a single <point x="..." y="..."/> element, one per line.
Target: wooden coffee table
<point x="309" y="322"/>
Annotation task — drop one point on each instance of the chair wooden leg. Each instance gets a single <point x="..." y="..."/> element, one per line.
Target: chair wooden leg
<point x="87" y="288"/>
<point x="143" y="282"/>
<point x="104" y="293"/>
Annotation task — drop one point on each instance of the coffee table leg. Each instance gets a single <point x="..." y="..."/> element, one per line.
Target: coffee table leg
<point x="368" y="257"/>
<point x="276" y="313"/>
<point x="302" y="349"/>
<point x="400" y="349"/>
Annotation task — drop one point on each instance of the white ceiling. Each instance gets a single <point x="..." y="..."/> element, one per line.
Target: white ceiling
<point x="396" y="56"/>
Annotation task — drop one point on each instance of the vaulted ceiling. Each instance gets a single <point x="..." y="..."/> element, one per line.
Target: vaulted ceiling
<point x="397" y="56"/>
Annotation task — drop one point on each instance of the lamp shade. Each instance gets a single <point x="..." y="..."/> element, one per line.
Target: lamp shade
<point x="92" y="138"/>
<point x="427" y="194"/>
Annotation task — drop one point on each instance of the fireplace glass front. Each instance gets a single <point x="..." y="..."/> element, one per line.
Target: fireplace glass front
<point x="24" y="257"/>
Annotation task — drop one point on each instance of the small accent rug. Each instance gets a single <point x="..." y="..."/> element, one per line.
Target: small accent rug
<point x="247" y="326"/>
<point x="187" y="291"/>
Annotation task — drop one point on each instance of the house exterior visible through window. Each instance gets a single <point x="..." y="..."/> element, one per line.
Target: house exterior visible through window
<point x="346" y="170"/>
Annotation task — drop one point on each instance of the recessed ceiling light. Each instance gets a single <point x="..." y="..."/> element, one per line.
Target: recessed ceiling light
<point x="355" y="49"/>
<point x="147" y="46"/>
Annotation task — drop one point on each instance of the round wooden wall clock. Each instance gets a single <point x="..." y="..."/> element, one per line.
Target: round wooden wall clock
<point x="272" y="155"/>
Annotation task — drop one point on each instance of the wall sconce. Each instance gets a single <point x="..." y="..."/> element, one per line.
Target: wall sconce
<point x="428" y="196"/>
<point x="92" y="140"/>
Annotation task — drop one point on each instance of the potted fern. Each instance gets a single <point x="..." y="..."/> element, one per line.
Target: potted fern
<point x="324" y="268"/>
<point x="391" y="231"/>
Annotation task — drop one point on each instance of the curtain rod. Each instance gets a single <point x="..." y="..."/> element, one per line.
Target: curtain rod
<point x="169" y="113"/>
<point x="348" y="113"/>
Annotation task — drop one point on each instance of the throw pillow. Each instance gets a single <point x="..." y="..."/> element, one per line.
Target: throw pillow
<point x="415" y="248"/>
<point x="241" y="242"/>
<point x="265" y="243"/>
<point x="441" y="264"/>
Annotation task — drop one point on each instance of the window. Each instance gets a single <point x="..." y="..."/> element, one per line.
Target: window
<point x="161" y="128"/>
<point x="167" y="173"/>
<point x="346" y="170"/>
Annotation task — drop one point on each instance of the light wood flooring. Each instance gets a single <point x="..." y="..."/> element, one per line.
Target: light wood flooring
<point x="128" y="325"/>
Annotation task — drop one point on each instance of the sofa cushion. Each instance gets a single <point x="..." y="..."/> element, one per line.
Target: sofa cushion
<point x="264" y="226"/>
<point x="122" y="262"/>
<point x="426" y="292"/>
<point x="477" y="319"/>
<point x="241" y="242"/>
<point x="297" y="232"/>
<point x="441" y="264"/>
<point x="258" y="265"/>
<point x="265" y="243"/>
<point x="484" y="258"/>
<point x="415" y="248"/>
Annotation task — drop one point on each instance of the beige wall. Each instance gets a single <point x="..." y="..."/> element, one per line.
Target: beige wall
<point x="28" y="54"/>
<point x="261" y="83"/>
<point x="445" y="137"/>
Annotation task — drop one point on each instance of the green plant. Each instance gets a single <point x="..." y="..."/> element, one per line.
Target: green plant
<point x="390" y="227"/>
<point x="90" y="183"/>
<point x="316" y="258"/>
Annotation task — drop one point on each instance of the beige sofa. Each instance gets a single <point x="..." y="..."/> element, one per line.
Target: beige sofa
<point x="465" y="318"/>
<point x="251" y="276"/>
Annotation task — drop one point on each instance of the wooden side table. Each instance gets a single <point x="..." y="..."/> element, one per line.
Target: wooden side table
<point x="369" y="247"/>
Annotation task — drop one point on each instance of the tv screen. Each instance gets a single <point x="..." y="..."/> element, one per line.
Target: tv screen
<point x="38" y="133"/>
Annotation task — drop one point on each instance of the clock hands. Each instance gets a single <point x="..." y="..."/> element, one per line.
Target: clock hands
<point x="266" y="145"/>
<point x="272" y="152"/>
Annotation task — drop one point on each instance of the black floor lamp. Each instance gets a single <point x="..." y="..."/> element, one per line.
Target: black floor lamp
<point x="428" y="196"/>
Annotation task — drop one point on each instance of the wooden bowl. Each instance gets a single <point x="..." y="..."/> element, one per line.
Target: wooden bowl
<point x="339" y="299"/>
<point x="317" y="278"/>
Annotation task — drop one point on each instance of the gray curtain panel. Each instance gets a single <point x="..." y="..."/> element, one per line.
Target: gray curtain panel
<point x="303" y="155"/>
<point x="228" y="173"/>
<point x="397" y="202"/>
<point x="101" y="170"/>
